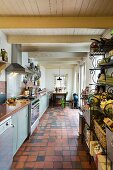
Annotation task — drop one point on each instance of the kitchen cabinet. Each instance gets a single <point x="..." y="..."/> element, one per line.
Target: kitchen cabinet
<point x="20" y="122"/>
<point x="44" y="103"/>
<point x="6" y="143"/>
<point x="14" y="122"/>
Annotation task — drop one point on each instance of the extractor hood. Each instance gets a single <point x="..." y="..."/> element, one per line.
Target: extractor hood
<point x="17" y="68"/>
<point x="16" y="63"/>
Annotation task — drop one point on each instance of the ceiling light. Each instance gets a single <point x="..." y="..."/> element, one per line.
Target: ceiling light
<point x="59" y="75"/>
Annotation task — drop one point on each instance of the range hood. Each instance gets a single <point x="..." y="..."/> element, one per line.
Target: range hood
<point x="17" y="68"/>
<point x="16" y="62"/>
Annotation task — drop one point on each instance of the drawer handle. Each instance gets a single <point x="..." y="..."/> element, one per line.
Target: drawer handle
<point x="12" y="125"/>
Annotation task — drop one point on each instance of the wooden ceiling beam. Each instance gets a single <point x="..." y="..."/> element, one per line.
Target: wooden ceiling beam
<point x="55" y="22"/>
<point x="58" y="60"/>
<point x="17" y="39"/>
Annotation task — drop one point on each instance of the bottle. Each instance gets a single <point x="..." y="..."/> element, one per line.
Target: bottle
<point x="4" y="55"/>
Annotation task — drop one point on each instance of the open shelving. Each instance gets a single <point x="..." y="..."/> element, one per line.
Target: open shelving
<point x="89" y="118"/>
<point x="3" y="65"/>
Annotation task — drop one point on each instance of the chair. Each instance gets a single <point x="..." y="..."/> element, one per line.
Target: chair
<point x="75" y="101"/>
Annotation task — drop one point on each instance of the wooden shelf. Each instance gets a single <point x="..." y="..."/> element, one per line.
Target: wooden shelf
<point x="97" y="53"/>
<point x="96" y="68"/>
<point x="3" y="65"/>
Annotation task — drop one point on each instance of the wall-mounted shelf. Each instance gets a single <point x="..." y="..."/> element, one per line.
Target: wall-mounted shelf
<point x="97" y="53"/>
<point x="97" y="68"/>
<point x="3" y="65"/>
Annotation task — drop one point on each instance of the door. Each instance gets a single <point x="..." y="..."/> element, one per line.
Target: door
<point x="22" y="118"/>
<point x="14" y="122"/>
<point x="6" y="149"/>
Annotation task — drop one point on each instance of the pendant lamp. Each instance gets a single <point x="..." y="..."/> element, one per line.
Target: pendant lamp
<point x="59" y="75"/>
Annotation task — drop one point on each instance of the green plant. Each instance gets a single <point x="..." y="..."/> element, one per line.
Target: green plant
<point x="63" y="102"/>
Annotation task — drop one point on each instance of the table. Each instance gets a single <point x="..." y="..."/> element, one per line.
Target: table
<point x="59" y="95"/>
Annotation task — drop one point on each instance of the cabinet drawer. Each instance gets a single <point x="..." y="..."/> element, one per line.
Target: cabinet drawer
<point x="109" y="138"/>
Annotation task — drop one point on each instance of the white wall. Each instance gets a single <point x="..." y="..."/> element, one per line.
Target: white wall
<point x="76" y="79"/>
<point x="25" y="59"/>
<point x="43" y="79"/>
<point x="7" y="47"/>
<point x="50" y="80"/>
<point x="88" y="66"/>
<point x="14" y="84"/>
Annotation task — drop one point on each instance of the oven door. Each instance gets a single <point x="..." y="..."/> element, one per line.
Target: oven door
<point x="34" y="116"/>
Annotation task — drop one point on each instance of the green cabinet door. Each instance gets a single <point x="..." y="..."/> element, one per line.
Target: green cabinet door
<point x="43" y="104"/>
<point x="20" y="133"/>
<point x="14" y="122"/>
<point x="22" y="118"/>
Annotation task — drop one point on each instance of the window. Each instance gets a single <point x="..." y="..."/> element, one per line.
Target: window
<point x="61" y="84"/>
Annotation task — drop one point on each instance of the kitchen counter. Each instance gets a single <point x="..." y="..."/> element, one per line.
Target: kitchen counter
<point x="7" y="110"/>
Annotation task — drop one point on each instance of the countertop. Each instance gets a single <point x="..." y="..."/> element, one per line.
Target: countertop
<point x="7" y="110"/>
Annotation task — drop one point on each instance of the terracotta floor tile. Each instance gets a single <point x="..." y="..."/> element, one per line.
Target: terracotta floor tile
<point x="75" y="158"/>
<point x="42" y="153"/>
<point x="49" y="158"/>
<point x="19" y="165"/>
<point x="50" y="153"/>
<point x="48" y="164"/>
<point x="66" y="158"/>
<point x="58" y="165"/>
<point x="66" y="153"/>
<point x="39" y="165"/>
<point x="26" y="153"/>
<point x="22" y="158"/>
<point x="34" y="153"/>
<point x="66" y="148"/>
<point x="29" y="164"/>
<point x="58" y="158"/>
<point x="67" y="165"/>
<point x="31" y="158"/>
<point x="58" y="148"/>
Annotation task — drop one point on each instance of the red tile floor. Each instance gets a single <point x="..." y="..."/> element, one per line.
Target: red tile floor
<point x="55" y="144"/>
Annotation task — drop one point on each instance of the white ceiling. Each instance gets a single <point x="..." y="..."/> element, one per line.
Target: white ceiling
<point x="56" y="7"/>
<point x="54" y="46"/>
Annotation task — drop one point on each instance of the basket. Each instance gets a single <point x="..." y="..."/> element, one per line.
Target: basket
<point x="101" y="135"/>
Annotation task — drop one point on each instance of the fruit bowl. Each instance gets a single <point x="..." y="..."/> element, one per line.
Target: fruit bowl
<point x="11" y="100"/>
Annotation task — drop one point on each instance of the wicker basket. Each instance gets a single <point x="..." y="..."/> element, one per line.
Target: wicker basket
<point x="101" y="135"/>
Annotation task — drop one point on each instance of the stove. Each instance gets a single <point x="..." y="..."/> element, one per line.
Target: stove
<point x="26" y="97"/>
<point x="33" y="112"/>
